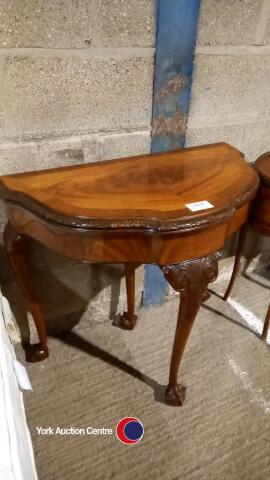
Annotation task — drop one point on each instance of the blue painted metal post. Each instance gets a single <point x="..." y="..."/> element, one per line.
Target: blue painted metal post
<point x="176" y="36"/>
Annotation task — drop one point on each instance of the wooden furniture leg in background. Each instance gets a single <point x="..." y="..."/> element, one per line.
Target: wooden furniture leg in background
<point x="128" y="319"/>
<point x="191" y="279"/>
<point x="16" y="247"/>
<point x="266" y="324"/>
<point x="239" y="251"/>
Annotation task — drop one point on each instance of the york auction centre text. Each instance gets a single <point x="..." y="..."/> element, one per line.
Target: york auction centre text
<point x="73" y="431"/>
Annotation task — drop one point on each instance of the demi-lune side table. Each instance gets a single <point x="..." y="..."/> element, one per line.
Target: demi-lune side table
<point x="259" y="221"/>
<point x="172" y="209"/>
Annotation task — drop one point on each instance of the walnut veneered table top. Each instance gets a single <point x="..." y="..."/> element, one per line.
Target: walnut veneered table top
<point x="172" y="209"/>
<point x="147" y="191"/>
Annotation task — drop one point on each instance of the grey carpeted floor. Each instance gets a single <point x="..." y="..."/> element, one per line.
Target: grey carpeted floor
<point x="95" y="376"/>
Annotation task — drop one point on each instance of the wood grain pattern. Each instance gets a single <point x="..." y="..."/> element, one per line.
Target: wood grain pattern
<point x="145" y="192"/>
<point x="119" y="247"/>
<point x="191" y="279"/>
<point x="133" y="210"/>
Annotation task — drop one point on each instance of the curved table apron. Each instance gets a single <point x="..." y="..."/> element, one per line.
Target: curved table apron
<point x="184" y="247"/>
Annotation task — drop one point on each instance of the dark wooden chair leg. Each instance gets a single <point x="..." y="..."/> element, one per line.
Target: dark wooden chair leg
<point x="128" y="319"/>
<point x="266" y="324"/>
<point x="191" y="279"/>
<point x="239" y="251"/>
<point x="16" y="247"/>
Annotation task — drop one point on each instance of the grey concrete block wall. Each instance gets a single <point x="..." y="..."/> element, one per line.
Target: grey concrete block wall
<point x="76" y="81"/>
<point x="228" y="22"/>
<point x="52" y="96"/>
<point x="50" y="24"/>
<point x="125" y="22"/>
<point x="76" y="86"/>
<point x="231" y="84"/>
<point x="77" y="24"/>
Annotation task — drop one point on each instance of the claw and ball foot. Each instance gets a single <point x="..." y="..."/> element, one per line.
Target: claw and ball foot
<point x="127" y="321"/>
<point x="175" y="395"/>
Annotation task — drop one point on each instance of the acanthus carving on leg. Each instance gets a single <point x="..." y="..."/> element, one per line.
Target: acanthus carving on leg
<point x="16" y="247"/>
<point x="195" y="274"/>
<point x="191" y="279"/>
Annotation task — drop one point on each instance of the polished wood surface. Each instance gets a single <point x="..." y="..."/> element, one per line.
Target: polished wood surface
<point x="191" y="279"/>
<point x="112" y="246"/>
<point x="258" y="220"/>
<point x="134" y="210"/>
<point x="147" y="192"/>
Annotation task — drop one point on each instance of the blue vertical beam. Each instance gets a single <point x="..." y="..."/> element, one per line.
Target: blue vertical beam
<point x="175" y="43"/>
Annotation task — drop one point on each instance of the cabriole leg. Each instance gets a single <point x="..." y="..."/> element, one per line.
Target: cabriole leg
<point x="16" y="247"/>
<point x="239" y="251"/>
<point x="191" y="279"/>
<point x="128" y="319"/>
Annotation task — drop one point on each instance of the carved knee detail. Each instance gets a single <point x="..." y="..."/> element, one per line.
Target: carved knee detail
<point x="193" y="275"/>
<point x="191" y="279"/>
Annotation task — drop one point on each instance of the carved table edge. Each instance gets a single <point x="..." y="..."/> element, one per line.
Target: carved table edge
<point x="146" y="226"/>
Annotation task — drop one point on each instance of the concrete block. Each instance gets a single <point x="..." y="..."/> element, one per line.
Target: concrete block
<point x="63" y="152"/>
<point x="28" y="156"/>
<point x="90" y="146"/>
<point x="124" y="145"/>
<point x="232" y="134"/>
<point x="1" y="123"/>
<point x="228" y="22"/>
<point x="266" y="37"/>
<point x="251" y="139"/>
<point x="2" y="98"/>
<point x="229" y="85"/>
<point x="71" y="95"/>
<point x="60" y="154"/>
<point x="256" y="138"/>
<point x="50" y="24"/>
<point x="19" y="157"/>
<point x="126" y="23"/>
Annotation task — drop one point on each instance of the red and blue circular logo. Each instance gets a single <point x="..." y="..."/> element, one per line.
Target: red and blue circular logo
<point x="129" y="430"/>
